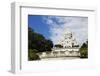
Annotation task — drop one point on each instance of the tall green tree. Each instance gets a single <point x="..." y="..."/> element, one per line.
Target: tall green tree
<point x="84" y="50"/>
<point x="38" y="41"/>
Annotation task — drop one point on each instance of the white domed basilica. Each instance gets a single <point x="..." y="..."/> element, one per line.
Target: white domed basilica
<point x="68" y="40"/>
<point x="67" y="47"/>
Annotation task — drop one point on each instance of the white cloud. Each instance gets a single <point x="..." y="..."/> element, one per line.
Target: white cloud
<point x="77" y="25"/>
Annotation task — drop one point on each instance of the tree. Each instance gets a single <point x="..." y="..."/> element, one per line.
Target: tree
<point x="38" y="41"/>
<point x="84" y="50"/>
<point x="58" y="46"/>
<point x="32" y="55"/>
<point x="48" y="45"/>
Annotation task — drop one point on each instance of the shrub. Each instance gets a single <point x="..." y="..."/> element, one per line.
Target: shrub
<point x="83" y="53"/>
<point x="84" y="50"/>
<point x="58" y="46"/>
<point x="32" y="55"/>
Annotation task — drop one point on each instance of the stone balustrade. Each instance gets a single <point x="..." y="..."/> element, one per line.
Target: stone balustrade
<point x="54" y="54"/>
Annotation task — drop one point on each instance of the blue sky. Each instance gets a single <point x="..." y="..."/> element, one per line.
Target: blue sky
<point x="52" y="27"/>
<point x="38" y="25"/>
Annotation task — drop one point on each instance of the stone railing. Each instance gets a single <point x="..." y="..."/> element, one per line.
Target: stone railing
<point x="54" y="54"/>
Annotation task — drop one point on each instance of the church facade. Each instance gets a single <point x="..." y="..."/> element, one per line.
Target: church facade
<point x="67" y="47"/>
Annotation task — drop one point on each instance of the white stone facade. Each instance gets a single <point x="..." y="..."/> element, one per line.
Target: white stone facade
<point x="69" y="47"/>
<point x="68" y="40"/>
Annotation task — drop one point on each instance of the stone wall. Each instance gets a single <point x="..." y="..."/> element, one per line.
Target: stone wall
<point x="54" y="54"/>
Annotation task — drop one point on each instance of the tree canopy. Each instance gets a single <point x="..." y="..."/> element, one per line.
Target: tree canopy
<point x="38" y="41"/>
<point x="58" y="46"/>
<point x="84" y="50"/>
